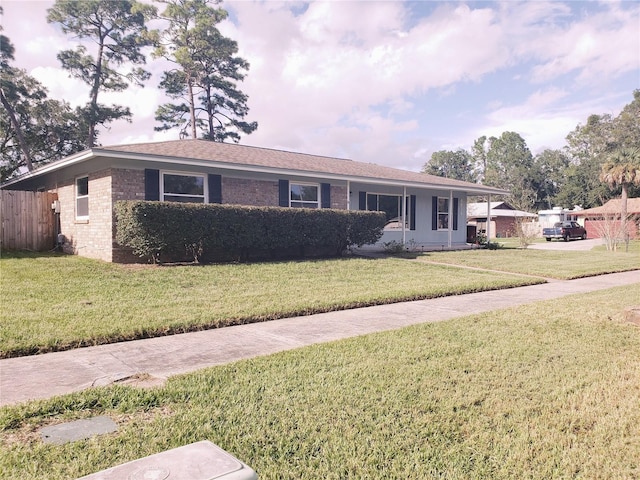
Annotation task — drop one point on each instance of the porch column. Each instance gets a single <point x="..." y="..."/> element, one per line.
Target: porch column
<point x="404" y="215"/>
<point x="488" y="217"/>
<point x="348" y="195"/>
<point x="450" y="225"/>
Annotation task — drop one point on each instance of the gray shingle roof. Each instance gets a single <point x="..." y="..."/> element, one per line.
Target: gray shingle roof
<point x="238" y="157"/>
<point x="242" y="155"/>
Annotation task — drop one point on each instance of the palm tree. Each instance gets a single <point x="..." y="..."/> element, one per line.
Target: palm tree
<point x="622" y="169"/>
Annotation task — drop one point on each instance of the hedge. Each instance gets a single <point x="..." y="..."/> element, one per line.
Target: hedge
<point x="167" y="231"/>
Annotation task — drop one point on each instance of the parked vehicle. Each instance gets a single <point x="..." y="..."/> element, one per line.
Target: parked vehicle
<point x="565" y="230"/>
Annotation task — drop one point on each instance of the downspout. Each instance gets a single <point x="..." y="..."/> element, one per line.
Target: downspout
<point x="488" y="218"/>
<point x="404" y="215"/>
<point x="450" y="225"/>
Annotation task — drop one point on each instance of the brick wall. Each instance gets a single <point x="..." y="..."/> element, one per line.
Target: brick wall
<point x="264" y="193"/>
<point x="504" y="227"/>
<point x="241" y="191"/>
<point x="125" y="185"/>
<point x="93" y="237"/>
<point x="339" y="197"/>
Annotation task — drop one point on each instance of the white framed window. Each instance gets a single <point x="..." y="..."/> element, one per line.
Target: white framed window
<point x="304" y="195"/>
<point x="82" y="198"/>
<point x="443" y="213"/>
<point x="183" y="187"/>
<point x="391" y="205"/>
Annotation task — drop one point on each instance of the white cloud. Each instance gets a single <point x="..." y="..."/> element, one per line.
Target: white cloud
<point x="389" y="81"/>
<point x="61" y="86"/>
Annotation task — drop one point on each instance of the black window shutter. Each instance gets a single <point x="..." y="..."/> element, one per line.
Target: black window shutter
<point x="215" y="188"/>
<point x="151" y="184"/>
<point x="362" y="200"/>
<point x="325" y="195"/>
<point x="434" y="213"/>
<point x="283" y="193"/>
<point x="455" y="213"/>
<point x="412" y="212"/>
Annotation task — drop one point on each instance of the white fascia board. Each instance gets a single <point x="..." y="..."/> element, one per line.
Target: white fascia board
<point x="53" y="166"/>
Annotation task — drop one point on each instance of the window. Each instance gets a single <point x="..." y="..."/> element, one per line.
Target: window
<point x="182" y="187"/>
<point x="303" y="195"/>
<point x="82" y="198"/>
<point x="391" y="205"/>
<point x="443" y="213"/>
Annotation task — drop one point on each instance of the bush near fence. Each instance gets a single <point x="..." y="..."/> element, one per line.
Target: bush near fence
<point x="163" y="231"/>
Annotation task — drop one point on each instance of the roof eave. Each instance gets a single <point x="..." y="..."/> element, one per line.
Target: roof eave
<point x="53" y="166"/>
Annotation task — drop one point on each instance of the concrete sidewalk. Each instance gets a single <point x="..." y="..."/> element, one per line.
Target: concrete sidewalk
<point x="155" y="359"/>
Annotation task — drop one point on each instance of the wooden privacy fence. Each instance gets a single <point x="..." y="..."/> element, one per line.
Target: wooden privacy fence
<point x="28" y="222"/>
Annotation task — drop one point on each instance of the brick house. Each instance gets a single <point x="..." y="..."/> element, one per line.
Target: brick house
<point x="425" y="210"/>
<point x="503" y="217"/>
<point x="603" y="220"/>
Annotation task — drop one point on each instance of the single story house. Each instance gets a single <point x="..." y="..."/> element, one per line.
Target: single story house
<point x="422" y="209"/>
<point x="604" y="220"/>
<point x="501" y="215"/>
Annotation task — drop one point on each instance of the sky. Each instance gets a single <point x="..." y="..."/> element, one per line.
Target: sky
<point x="388" y="82"/>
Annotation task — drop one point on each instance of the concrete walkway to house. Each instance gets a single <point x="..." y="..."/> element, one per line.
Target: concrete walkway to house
<point x="153" y="360"/>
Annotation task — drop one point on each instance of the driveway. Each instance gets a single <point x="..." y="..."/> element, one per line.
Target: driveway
<point x="573" y="245"/>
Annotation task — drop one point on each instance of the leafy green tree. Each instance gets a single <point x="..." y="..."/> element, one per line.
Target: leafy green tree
<point x="591" y="145"/>
<point x="479" y="154"/>
<point x="34" y="129"/>
<point x="7" y="85"/>
<point x="626" y="126"/>
<point x="451" y="164"/>
<point x="552" y="166"/>
<point x="587" y="147"/>
<point x="510" y="165"/>
<point x="118" y="32"/>
<point x="204" y="80"/>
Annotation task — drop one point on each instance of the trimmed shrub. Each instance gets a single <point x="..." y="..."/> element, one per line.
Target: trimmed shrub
<point x="165" y="231"/>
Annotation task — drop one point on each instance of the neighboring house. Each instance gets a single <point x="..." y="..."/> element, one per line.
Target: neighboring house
<point x="425" y="210"/>
<point x="605" y="219"/>
<point x="502" y="217"/>
<point x="548" y="218"/>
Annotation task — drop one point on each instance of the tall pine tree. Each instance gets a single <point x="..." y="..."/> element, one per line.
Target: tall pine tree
<point x="117" y="32"/>
<point x="204" y="80"/>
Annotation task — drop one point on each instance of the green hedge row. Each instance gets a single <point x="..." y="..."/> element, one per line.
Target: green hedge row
<point x="164" y="231"/>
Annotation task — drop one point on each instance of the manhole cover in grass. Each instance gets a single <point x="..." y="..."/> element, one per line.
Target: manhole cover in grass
<point x="78" y="430"/>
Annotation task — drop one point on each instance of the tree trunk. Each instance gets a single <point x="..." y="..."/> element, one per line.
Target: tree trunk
<point x="14" y="121"/>
<point x="623" y="215"/>
<point x="93" y="102"/>
<point x="209" y="113"/>
<point x="192" y="108"/>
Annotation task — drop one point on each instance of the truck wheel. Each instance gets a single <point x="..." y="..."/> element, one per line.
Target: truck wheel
<point x="584" y="236"/>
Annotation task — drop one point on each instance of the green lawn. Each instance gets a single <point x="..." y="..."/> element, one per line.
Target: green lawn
<point x="60" y="302"/>
<point x="545" y="263"/>
<point x="534" y="392"/>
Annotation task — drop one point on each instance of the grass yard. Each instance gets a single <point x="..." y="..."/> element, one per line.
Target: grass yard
<point x="529" y="392"/>
<point x="59" y="302"/>
<point x="544" y="263"/>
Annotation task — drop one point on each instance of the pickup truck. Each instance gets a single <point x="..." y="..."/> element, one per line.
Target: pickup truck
<point x="564" y="230"/>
